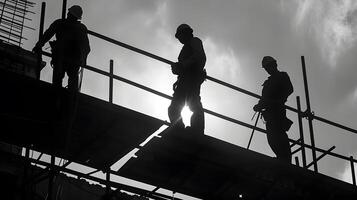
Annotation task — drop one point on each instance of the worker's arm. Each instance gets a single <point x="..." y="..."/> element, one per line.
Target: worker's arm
<point x="48" y="34"/>
<point x="261" y="105"/>
<point x="289" y="86"/>
<point x="85" y="47"/>
<point x="285" y="87"/>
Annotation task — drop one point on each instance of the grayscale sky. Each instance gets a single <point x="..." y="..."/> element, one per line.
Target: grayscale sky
<point x="236" y="34"/>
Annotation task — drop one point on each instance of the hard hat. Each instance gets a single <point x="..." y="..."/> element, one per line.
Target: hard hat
<point x="76" y="11"/>
<point x="182" y="28"/>
<point x="268" y="60"/>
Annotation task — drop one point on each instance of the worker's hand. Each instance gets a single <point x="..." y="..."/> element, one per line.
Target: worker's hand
<point x="83" y="62"/>
<point x="37" y="49"/>
<point x="258" y="108"/>
<point x="175" y="68"/>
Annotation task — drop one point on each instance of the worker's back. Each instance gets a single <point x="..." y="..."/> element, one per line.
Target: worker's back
<point x="194" y="52"/>
<point x="71" y="40"/>
<point x="277" y="88"/>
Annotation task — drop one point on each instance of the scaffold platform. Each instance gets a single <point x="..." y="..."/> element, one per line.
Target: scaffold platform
<point x="209" y="168"/>
<point x="102" y="132"/>
<point x="178" y="160"/>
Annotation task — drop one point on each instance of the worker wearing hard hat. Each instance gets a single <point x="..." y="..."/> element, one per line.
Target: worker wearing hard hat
<point x="276" y="90"/>
<point x="71" y="48"/>
<point x="69" y="53"/>
<point x="190" y="75"/>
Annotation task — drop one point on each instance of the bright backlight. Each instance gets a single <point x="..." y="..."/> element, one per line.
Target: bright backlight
<point x="186" y="115"/>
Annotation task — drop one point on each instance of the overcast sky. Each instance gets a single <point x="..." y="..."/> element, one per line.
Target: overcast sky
<point x="236" y="34"/>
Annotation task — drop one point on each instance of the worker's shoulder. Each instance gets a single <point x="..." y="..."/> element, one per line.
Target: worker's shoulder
<point x="77" y="24"/>
<point x="71" y="23"/>
<point x="58" y="22"/>
<point x="81" y="25"/>
<point x="278" y="76"/>
<point x="284" y="74"/>
<point x="196" y="40"/>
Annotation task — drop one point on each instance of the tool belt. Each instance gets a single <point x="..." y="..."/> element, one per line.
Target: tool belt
<point x="196" y="78"/>
<point x="277" y="115"/>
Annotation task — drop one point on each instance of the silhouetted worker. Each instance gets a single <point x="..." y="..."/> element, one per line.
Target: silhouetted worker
<point x="191" y="74"/>
<point x="69" y="53"/>
<point x="70" y="50"/>
<point x="276" y="90"/>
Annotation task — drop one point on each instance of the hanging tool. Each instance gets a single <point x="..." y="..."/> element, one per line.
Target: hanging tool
<point x="255" y="125"/>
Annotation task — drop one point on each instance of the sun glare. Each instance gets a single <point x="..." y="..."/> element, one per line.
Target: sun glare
<point x="186" y="115"/>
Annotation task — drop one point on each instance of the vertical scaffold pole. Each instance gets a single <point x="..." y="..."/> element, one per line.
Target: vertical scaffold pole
<point x="111" y="72"/>
<point x="51" y="178"/>
<point x="353" y="171"/>
<point x="64" y="8"/>
<point x="301" y="131"/>
<point x="107" y="178"/>
<point x="26" y="171"/>
<point x="309" y="114"/>
<point x="297" y="161"/>
<point x="40" y="34"/>
<point x="2" y="11"/>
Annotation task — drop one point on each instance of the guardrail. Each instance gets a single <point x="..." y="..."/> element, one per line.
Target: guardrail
<point x="238" y="89"/>
<point x="297" y="110"/>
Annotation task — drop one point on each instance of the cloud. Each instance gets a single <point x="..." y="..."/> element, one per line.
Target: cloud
<point x="332" y="23"/>
<point x="354" y="96"/>
<point x="348" y="102"/>
<point x="221" y="61"/>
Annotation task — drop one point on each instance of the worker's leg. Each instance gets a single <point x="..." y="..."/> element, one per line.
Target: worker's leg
<point x="278" y="141"/>
<point x="175" y="108"/>
<point x="72" y="101"/>
<point x="72" y="73"/>
<point x="285" y="151"/>
<point x="57" y="77"/>
<point x="58" y="73"/>
<point x="195" y="105"/>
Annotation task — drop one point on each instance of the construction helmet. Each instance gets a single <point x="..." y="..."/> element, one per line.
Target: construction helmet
<point x="268" y="60"/>
<point x="183" y="28"/>
<point x="76" y="11"/>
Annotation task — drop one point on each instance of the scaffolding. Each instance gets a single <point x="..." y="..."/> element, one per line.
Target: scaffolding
<point x="13" y="15"/>
<point x="302" y="146"/>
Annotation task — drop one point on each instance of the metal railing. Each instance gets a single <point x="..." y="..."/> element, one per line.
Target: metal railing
<point x="297" y="110"/>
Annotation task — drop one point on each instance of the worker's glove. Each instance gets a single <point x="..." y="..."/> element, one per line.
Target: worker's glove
<point x="176" y="68"/>
<point x="82" y="62"/>
<point x="258" y="108"/>
<point x="174" y="86"/>
<point x="37" y="49"/>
